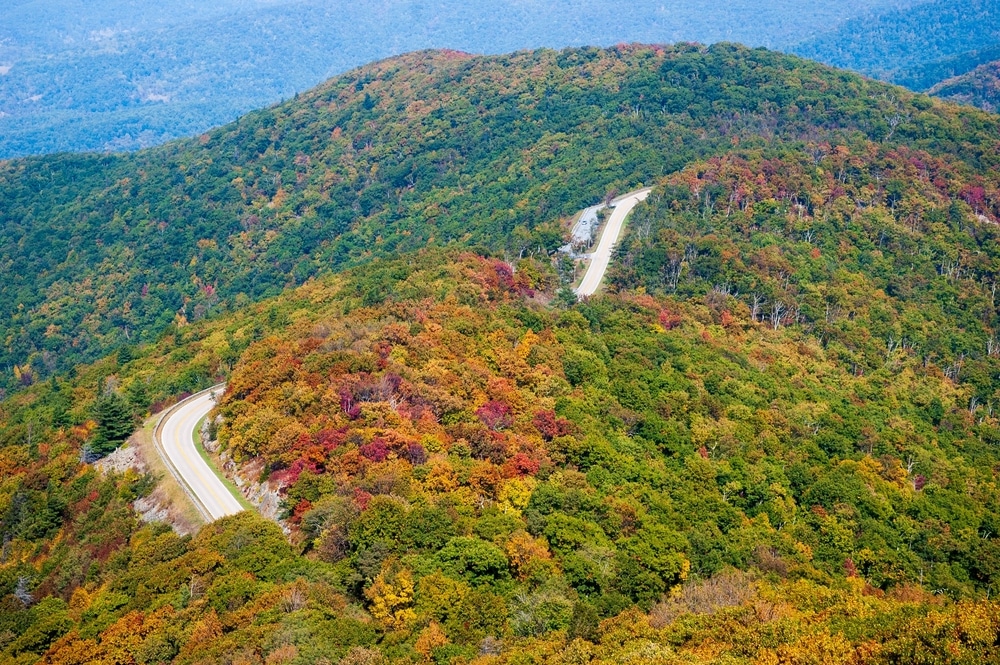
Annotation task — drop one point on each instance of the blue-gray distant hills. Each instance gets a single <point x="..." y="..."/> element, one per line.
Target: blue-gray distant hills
<point x="917" y="47"/>
<point x="111" y="76"/>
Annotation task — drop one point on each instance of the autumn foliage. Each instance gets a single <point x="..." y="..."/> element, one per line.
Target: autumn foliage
<point x="774" y="440"/>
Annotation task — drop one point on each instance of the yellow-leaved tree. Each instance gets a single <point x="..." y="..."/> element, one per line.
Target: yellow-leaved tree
<point x="391" y="598"/>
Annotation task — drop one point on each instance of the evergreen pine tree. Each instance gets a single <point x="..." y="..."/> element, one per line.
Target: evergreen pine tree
<point x="124" y="355"/>
<point x="137" y="394"/>
<point x="115" y="423"/>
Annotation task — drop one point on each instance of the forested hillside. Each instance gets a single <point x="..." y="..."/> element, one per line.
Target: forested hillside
<point x="929" y="76"/>
<point x="474" y="476"/>
<point x="109" y="76"/>
<point x="980" y="87"/>
<point x="423" y="150"/>
<point x="773" y="439"/>
<point x="916" y="46"/>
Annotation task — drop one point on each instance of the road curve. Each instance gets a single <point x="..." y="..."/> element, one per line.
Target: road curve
<point x="174" y="438"/>
<point x="602" y="255"/>
<point x="174" y="434"/>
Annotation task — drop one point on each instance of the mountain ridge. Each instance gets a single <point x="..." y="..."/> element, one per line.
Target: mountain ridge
<point x="371" y="164"/>
<point x="772" y="438"/>
<point x="447" y="446"/>
<point x="118" y="78"/>
<point x="978" y="87"/>
<point x="918" y="47"/>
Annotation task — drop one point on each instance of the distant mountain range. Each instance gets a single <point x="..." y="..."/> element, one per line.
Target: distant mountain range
<point x="918" y="47"/>
<point x="119" y="76"/>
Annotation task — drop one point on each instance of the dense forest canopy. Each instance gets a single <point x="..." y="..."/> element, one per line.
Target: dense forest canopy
<point x="427" y="149"/>
<point x="109" y="76"/>
<point x="773" y="439"/>
<point x="468" y="472"/>
<point x="916" y="46"/>
<point x="980" y="87"/>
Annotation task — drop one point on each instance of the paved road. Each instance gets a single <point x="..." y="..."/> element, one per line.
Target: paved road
<point x="602" y="256"/>
<point x="175" y="434"/>
<point x="176" y="443"/>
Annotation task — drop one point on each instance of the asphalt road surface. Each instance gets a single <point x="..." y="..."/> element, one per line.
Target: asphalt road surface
<point x="176" y="432"/>
<point x="602" y="256"/>
<point x="176" y="440"/>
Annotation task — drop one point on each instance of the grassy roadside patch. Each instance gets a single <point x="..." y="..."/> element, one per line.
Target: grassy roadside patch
<point x="182" y="510"/>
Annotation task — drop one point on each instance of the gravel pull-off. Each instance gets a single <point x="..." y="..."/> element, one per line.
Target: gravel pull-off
<point x="601" y="257"/>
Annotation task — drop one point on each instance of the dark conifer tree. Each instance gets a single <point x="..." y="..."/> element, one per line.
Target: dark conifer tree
<point x="115" y="423"/>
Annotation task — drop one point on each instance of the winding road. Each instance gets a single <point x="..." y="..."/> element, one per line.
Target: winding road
<point x="174" y="433"/>
<point x="174" y="439"/>
<point x="601" y="257"/>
